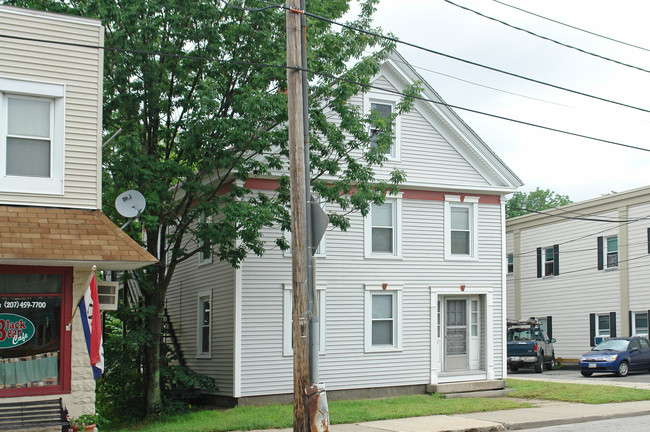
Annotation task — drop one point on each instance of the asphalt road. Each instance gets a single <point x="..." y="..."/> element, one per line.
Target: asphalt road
<point x="637" y="423"/>
<point x="573" y="375"/>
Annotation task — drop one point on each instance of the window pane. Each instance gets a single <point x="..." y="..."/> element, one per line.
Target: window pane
<point x="382" y="306"/>
<point x="612" y="244"/>
<point x="382" y="215"/>
<point x="28" y="157"/>
<point x="459" y="218"/>
<point x="206" y="312"/>
<point x="29" y="355"/>
<point x="28" y="117"/>
<point x="30" y="283"/>
<point x="383" y="110"/>
<point x="641" y="321"/>
<point x="382" y="332"/>
<point x="205" y="340"/>
<point x="603" y="322"/>
<point x="549" y="254"/>
<point x="460" y="242"/>
<point x="382" y="240"/>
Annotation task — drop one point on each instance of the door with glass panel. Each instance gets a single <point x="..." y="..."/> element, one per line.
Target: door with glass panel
<point x="455" y="335"/>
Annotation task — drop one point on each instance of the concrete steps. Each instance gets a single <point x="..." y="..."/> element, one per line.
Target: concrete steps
<point x="483" y="388"/>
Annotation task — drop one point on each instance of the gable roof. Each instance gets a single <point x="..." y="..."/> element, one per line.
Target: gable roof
<point x="66" y="237"/>
<point x="452" y="127"/>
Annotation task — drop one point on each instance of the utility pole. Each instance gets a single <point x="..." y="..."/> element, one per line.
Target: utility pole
<point x="298" y="219"/>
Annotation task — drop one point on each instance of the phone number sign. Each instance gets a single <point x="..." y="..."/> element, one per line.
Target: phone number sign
<point x="15" y="330"/>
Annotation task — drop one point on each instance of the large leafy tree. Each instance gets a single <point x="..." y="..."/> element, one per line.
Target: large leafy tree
<point x="197" y="89"/>
<point x="522" y="203"/>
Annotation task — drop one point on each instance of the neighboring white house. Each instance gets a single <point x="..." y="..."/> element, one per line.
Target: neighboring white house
<point x="410" y="296"/>
<point x="583" y="269"/>
<point x="51" y="229"/>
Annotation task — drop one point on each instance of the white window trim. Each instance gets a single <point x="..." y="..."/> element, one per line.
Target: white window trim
<point x="609" y="334"/>
<point x="508" y="256"/>
<point x="395" y="289"/>
<point x="397" y="231"/>
<point x="287" y="318"/>
<point x="471" y="203"/>
<point x="54" y="185"/>
<point x="199" y="325"/>
<point x="392" y="100"/>
<point x="634" y="328"/>
<point x="201" y="259"/>
<point x="544" y="249"/>
<point x="605" y="253"/>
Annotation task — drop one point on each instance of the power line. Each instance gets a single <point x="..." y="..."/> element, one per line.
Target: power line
<point x="483" y="85"/>
<point x="419" y="47"/>
<point x="573" y="27"/>
<point x="576" y="217"/>
<point x="371" y="86"/>
<point x="548" y="38"/>
<point x="330" y="76"/>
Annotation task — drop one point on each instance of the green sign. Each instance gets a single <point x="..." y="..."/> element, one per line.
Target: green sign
<point x="15" y="330"/>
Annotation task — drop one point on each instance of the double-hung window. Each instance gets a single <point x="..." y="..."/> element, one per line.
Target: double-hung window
<point x="607" y="252"/>
<point x="511" y="263"/>
<point x="383" y="317"/>
<point x="31" y="137"/>
<point x="205" y="254"/>
<point x="383" y="229"/>
<point x="204" y="325"/>
<point x="384" y="107"/>
<point x="639" y="323"/>
<point x="461" y="226"/>
<point x="603" y="325"/>
<point x="548" y="261"/>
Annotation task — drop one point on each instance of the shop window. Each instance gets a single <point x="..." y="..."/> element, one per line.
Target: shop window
<point x="34" y="344"/>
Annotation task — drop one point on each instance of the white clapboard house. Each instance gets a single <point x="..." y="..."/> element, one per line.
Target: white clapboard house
<point x="583" y="270"/>
<point x="438" y="288"/>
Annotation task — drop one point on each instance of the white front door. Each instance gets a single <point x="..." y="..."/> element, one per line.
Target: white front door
<point x="461" y="333"/>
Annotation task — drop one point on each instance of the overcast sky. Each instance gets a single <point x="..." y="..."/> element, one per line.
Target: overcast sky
<point x="577" y="167"/>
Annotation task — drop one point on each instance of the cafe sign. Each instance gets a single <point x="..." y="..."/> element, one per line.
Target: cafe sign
<point x="15" y="330"/>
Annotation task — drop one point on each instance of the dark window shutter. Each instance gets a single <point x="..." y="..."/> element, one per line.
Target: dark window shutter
<point x="556" y="260"/>
<point x="600" y="253"/>
<point x="630" y="320"/>
<point x="648" y="240"/>
<point x="539" y="262"/>
<point x="549" y="326"/>
<point x="612" y="324"/>
<point x="592" y="329"/>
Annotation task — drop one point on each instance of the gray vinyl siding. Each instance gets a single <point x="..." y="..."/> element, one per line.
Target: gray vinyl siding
<point x="182" y="304"/>
<point x="80" y="69"/>
<point x="423" y="147"/>
<point x="344" y="270"/>
<point x="639" y="259"/>
<point x="510" y="278"/>
<point x="579" y="289"/>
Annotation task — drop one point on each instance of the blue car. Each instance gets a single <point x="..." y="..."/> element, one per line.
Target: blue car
<point x="618" y="356"/>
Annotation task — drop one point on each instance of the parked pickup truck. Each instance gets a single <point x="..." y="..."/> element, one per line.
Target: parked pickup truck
<point x="529" y="345"/>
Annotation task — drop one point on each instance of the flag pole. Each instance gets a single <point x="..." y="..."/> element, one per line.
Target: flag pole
<point x="93" y="271"/>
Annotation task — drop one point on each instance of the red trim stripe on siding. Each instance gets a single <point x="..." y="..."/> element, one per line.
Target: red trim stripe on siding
<point x="270" y="184"/>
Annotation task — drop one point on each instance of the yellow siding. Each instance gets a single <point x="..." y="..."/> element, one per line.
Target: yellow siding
<point x="80" y="69"/>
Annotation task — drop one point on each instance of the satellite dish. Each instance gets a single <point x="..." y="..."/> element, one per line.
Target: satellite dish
<point x="130" y="203"/>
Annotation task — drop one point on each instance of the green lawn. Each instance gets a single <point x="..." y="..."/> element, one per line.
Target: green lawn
<point x="581" y="393"/>
<point x="280" y="416"/>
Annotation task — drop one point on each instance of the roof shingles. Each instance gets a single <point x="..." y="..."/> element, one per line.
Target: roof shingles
<point x="57" y="236"/>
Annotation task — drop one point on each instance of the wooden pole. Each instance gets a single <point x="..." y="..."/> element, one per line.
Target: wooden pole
<point x="298" y="220"/>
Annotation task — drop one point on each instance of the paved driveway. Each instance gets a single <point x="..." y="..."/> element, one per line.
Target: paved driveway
<point x="634" y="379"/>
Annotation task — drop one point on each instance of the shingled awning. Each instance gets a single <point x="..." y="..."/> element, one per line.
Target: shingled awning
<point x="66" y="237"/>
